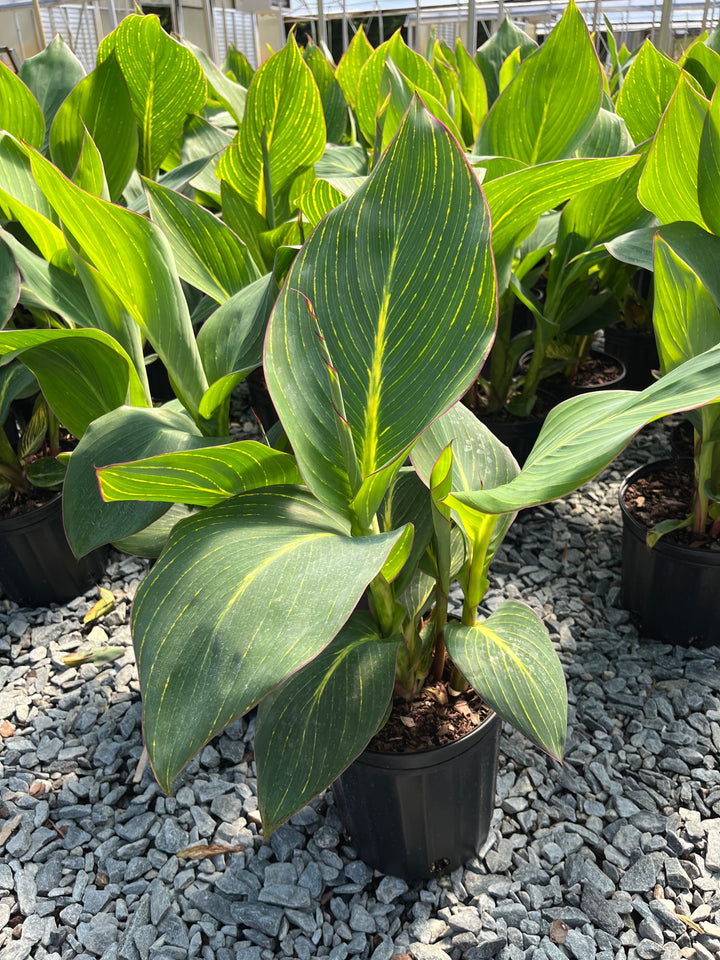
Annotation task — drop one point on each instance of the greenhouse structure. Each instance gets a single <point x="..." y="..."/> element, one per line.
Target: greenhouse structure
<point x="253" y="25"/>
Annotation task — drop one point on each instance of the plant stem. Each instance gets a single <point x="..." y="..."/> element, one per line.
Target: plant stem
<point x="476" y="578"/>
<point x="704" y="450"/>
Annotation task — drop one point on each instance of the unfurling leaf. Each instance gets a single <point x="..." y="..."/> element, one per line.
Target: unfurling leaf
<point x="94" y="655"/>
<point x="199" y="851"/>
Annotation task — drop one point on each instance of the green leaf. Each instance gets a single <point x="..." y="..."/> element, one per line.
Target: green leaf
<point x="134" y="257"/>
<point x="9" y="286"/>
<point x="89" y="174"/>
<point x="649" y="84"/>
<point x="150" y="542"/>
<point x="127" y="433"/>
<point x="333" y="101"/>
<point x="550" y="107"/>
<point x="165" y="81"/>
<point x="199" y="477"/>
<point x="400" y="280"/>
<point x="686" y="319"/>
<point x="472" y="89"/>
<point x="582" y="435"/>
<point x="408" y="502"/>
<point x="342" y="161"/>
<point x="50" y="75"/>
<point x="609" y="137"/>
<point x="83" y="373"/>
<point x="517" y="199"/>
<point x="202" y="140"/>
<point x="101" y="105"/>
<point x="635" y="247"/>
<point x="669" y="184"/>
<point x="479" y="461"/>
<point x="704" y="64"/>
<point x="207" y="253"/>
<point x="350" y="67"/>
<point x="230" y="93"/>
<point x="708" y="181"/>
<point x="319" y="200"/>
<point x="46" y="287"/>
<point x="495" y="51"/>
<point x="313" y="726"/>
<point x="20" y="113"/>
<point x="284" y="106"/>
<point x="46" y="472"/>
<point x="510" y="67"/>
<point x="238" y="65"/>
<point x="510" y="661"/>
<point x="15" y="381"/>
<point x="245" y="594"/>
<point x="231" y="339"/>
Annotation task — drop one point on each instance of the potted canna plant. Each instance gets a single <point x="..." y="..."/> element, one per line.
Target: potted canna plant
<point x="671" y="509"/>
<point x="315" y="583"/>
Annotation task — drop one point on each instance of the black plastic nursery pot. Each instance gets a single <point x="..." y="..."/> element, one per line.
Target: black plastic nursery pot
<point x="638" y="352"/>
<point x="37" y="566"/>
<point x="419" y="815"/>
<point x="674" y="589"/>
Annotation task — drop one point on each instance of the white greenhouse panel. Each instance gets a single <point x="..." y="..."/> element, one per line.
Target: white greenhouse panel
<point x="77" y="25"/>
<point x="236" y="28"/>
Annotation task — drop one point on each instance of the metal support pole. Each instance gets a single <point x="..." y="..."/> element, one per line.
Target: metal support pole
<point x="706" y="10"/>
<point x="112" y="14"/>
<point x="596" y="18"/>
<point x="472" y="28"/>
<point x="210" y="30"/>
<point x="322" y="31"/>
<point x="381" y="26"/>
<point x="39" y="24"/>
<point x="416" y="38"/>
<point x="666" y="26"/>
<point x="345" y="36"/>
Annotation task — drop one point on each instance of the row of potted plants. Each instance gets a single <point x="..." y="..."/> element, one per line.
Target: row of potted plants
<point x="310" y="574"/>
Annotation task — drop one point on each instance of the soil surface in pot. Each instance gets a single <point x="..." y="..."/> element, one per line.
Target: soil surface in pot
<point x="596" y="372"/>
<point x="19" y="502"/>
<point x="434" y="718"/>
<point x="667" y="495"/>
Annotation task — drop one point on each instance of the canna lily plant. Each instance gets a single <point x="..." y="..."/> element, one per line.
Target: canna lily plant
<point x="381" y="326"/>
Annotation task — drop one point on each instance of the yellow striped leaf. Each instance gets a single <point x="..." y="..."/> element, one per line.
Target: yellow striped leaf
<point x="582" y="435"/>
<point x="101" y="105"/>
<point x="83" y="373"/>
<point x="127" y="433"/>
<point x="319" y="200"/>
<point x="284" y="107"/>
<point x="669" y="184"/>
<point x="20" y="113"/>
<point x="550" y="106"/>
<point x="199" y="477"/>
<point x="709" y="166"/>
<point x="350" y="67"/>
<point x="165" y="81"/>
<point x="207" y="252"/>
<point x="134" y="257"/>
<point x="646" y="91"/>
<point x="321" y="719"/>
<point x="399" y="282"/>
<point x="510" y="661"/>
<point x="246" y="593"/>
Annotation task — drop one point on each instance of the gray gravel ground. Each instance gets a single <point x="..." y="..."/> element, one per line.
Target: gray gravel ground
<point x="614" y="855"/>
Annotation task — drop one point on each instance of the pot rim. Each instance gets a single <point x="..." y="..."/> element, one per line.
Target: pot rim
<point x="31" y="517"/>
<point x="639" y="530"/>
<point x="432" y="756"/>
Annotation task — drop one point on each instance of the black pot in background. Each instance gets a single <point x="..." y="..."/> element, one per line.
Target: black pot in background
<point x="419" y="815"/>
<point x="37" y="566"/>
<point x="518" y="435"/>
<point x="638" y="351"/>
<point x="674" y="589"/>
<point x="562" y="389"/>
<point x="260" y="402"/>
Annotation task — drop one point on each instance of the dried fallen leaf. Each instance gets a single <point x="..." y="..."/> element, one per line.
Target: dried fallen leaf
<point x="201" y="850"/>
<point x="690" y="923"/>
<point x="558" y="931"/>
<point x="9" y="829"/>
<point x="104" y="605"/>
<point x="408" y="721"/>
<point x="60" y="831"/>
<point x="94" y="655"/>
<point x="6" y="729"/>
<point x="37" y="789"/>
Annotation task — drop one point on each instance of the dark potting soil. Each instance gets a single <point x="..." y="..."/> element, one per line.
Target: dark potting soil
<point x="434" y="718"/>
<point x="667" y="495"/>
<point x="596" y="372"/>
<point x="19" y="502"/>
